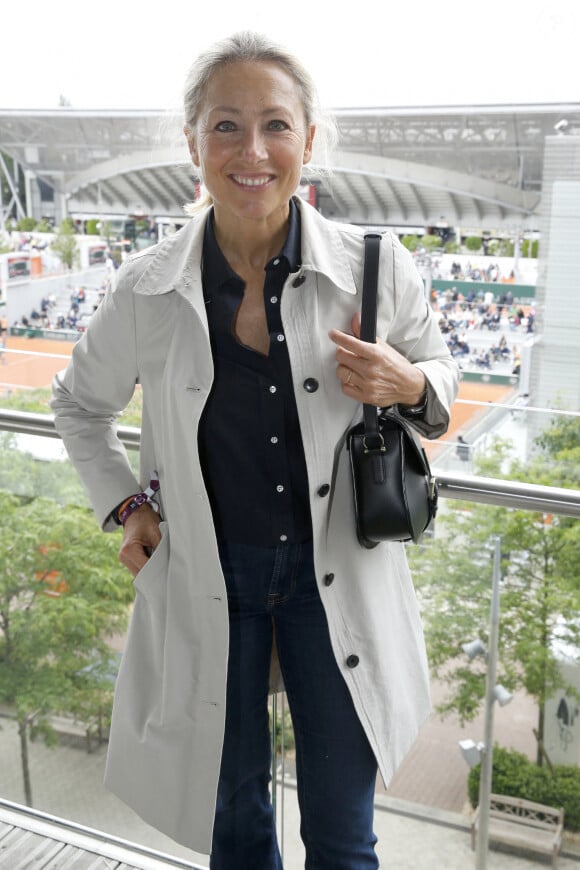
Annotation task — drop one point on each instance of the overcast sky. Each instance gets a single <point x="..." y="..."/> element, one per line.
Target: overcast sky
<point x="379" y="53"/>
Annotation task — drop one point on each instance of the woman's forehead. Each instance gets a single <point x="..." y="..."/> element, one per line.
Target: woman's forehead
<point x="252" y="83"/>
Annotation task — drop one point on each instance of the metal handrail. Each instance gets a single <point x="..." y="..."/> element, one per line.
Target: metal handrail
<point x="463" y="487"/>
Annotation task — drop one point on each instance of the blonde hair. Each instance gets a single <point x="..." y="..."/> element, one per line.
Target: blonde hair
<point x="254" y="47"/>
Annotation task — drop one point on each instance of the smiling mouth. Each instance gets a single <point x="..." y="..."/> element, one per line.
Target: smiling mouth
<point x="259" y="181"/>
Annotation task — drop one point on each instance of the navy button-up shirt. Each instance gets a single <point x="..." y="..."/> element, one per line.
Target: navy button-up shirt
<point x="249" y="437"/>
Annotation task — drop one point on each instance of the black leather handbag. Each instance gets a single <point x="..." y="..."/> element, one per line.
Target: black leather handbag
<point x="395" y="493"/>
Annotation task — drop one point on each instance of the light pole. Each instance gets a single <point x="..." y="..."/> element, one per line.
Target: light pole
<point x="487" y="750"/>
<point x="484" y="751"/>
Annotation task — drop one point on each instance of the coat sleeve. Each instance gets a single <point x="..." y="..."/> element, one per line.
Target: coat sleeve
<point x="91" y="392"/>
<point x="414" y="332"/>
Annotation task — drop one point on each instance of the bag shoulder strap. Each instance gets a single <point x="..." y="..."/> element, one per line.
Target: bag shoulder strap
<point x="368" y="327"/>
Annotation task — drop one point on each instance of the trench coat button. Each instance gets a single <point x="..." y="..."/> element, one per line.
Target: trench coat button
<point x="328" y="578"/>
<point x="323" y="490"/>
<point x="297" y="282"/>
<point x="310" y="385"/>
<point x="352" y="661"/>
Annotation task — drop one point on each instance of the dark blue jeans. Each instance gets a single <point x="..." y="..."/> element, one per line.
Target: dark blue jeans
<point x="275" y="590"/>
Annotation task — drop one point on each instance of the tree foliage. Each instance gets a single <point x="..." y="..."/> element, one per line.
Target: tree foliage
<point x="65" y="245"/>
<point x="411" y="242"/>
<point x="473" y="243"/>
<point x="25" y="476"/>
<point x="37" y="401"/>
<point x="431" y="242"/>
<point x="540" y="594"/>
<point x="63" y="594"/>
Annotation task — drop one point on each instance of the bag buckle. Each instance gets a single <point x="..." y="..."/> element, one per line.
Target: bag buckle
<point x="379" y="449"/>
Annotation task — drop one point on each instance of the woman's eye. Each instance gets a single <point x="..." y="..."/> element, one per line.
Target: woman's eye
<point x="225" y="126"/>
<point x="277" y="125"/>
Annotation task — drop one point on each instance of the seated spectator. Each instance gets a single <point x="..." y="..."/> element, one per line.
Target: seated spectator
<point x="462" y="449"/>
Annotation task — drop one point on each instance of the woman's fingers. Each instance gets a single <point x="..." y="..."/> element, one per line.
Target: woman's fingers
<point x="141" y="535"/>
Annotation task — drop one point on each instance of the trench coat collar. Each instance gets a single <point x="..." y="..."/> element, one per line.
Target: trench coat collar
<point x="174" y="263"/>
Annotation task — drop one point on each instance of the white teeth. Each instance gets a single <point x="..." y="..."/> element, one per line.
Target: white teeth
<point x="251" y="182"/>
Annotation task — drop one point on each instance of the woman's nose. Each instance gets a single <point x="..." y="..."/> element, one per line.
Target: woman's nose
<point x="254" y="145"/>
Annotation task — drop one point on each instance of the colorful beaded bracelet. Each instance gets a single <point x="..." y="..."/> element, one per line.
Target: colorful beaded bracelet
<point x="141" y="498"/>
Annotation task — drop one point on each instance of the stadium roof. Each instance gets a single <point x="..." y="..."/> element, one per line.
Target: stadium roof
<point x="463" y="165"/>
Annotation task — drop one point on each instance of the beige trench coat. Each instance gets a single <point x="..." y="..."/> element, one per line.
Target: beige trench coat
<point x="168" y="720"/>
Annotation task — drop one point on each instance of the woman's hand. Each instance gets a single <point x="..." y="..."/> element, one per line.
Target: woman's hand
<point x="140" y="537"/>
<point x="375" y="374"/>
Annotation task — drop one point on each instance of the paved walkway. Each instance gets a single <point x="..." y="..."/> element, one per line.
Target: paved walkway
<point x="67" y="782"/>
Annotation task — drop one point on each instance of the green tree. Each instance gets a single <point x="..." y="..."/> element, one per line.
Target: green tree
<point x="43" y="226"/>
<point x="473" y="243"/>
<point x="37" y="401"/>
<point x="530" y="248"/>
<point x="93" y="227"/>
<point x="26" y="476"/>
<point x="62" y="594"/>
<point x="506" y="248"/>
<point x="431" y="242"/>
<point x="540" y="598"/>
<point x="26" y="225"/>
<point x="410" y="242"/>
<point x="65" y="245"/>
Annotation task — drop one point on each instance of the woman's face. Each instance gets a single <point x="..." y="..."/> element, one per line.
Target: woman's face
<point x="251" y="141"/>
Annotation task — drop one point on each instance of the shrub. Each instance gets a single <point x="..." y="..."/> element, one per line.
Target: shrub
<point x="506" y="248"/>
<point x="515" y="775"/>
<point x="410" y="242"/>
<point x="431" y="242"/>
<point x="26" y="225"/>
<point x="92" y="228"/>
<point x="473" y="243"/>
<point x="43" y="226"/>
<point x="452" y="248"/>
<point x="526" y="248"/>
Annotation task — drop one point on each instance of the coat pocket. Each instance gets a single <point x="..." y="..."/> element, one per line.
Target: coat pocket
<point x="152" y="578"/>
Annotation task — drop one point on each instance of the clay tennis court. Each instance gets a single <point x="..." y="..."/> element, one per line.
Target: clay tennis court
<point x="30" y="368"/>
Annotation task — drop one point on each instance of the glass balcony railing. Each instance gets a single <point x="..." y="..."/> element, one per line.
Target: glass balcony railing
<point x="424" y="814"/>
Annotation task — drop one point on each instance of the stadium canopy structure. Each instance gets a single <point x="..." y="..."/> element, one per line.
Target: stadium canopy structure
<point x="468" y="166"/>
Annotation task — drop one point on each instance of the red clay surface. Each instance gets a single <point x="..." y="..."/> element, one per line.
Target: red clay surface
<point x="28" y="370"/>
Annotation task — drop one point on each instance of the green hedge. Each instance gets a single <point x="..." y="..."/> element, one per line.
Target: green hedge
<point x="515" y="775"/>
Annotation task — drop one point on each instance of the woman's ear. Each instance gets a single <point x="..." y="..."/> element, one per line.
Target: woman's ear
<point x="308" y="144"/>
<point x="191" y="145"/>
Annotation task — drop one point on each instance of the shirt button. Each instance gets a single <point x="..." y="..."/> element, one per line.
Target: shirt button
<point x="283" y="537"/>
<point x="352" y="661"/>
<point x="273" y="299"/>
<point x="310" y="385"/>
<point x="280" y="337"/>
<point x="323" y="490"/>
<point x="272" y="389"/>
<point x="328" y="578"/>
<point x="279" y="488"/>
<point x="276" y="261"/>
<point x="297" y="282"/>
<point x="274" y="439"/>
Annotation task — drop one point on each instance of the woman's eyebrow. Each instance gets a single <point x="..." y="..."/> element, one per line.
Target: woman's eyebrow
<point x="234" y="111"/>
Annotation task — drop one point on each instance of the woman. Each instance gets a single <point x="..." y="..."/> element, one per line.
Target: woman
<point x="242" y="330"/>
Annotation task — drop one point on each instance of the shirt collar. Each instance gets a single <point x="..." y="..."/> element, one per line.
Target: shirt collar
<point x="171" y="264"/>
